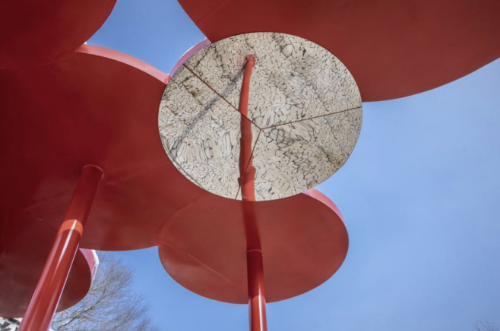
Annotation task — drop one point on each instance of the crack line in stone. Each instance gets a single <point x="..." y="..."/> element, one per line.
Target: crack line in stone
<point x="310" y="118"/>
<point x="220" y="95"/>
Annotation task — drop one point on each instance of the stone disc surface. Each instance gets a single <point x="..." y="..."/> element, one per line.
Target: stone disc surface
<point x="304" y="107"/>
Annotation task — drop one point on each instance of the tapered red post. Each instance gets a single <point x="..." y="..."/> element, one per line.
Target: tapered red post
<point x="247" y="170"/>
<point x="255" y="266"/>
<point x="256" y="291"/>
<point x="50" y="286"/>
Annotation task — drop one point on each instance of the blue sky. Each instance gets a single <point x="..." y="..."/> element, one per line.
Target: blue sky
<point x="420" y="196"/>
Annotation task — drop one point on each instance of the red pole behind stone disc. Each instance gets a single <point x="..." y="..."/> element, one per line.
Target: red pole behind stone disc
<point x="255" y="266"/>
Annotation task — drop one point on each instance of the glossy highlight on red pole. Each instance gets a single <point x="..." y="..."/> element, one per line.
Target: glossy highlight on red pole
<point x="247" y="170"/>
<point x="48" y="292"/>
<point x="256" y="291"/>
<point x="255" y="266"/>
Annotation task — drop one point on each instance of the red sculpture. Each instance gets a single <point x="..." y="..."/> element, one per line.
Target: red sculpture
<point x="65" y="106"/>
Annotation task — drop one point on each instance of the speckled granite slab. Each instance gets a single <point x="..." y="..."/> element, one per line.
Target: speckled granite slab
<point x="304" y="106"/>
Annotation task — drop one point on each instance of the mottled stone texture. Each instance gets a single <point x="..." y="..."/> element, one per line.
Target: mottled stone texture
<point x="291" y="157"/>
<point x="304" y="105"/>
<point x="201" y="134"/>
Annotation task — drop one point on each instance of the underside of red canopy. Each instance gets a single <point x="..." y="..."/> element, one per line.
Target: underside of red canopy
<point x="24" y="247"/>
<point x="38" y="31"/>
<point x="304" y="242"/>
<point x="393" y="48"/>
<point x="95" y="106"/>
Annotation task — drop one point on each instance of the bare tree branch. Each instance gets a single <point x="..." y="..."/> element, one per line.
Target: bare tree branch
<point x="110" y="304"/>
<point x="486" y="326"/>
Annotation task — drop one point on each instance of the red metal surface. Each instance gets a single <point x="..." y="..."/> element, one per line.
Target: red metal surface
<point x="48" y="291"/>
<point x="256" y="291"/>
<point x="25" y="247"/>
<point x="32" y="31"/>
<point x="92" y="260"/>
<point x="203" y="246"/>
<point x="393" y="48"/>
<point x="247" y="170"/>
<point x="190" y="52"/>
<point x="255" y="264"/>
<point x="95" y="106"/>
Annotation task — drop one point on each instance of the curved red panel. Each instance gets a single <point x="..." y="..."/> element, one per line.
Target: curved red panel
<point x="203" y="246"/>
<point x="95" y="106"/>
<point x="393" y="48"/>
<point x="24" y="248"/>
<point x="190" y="52"/>
<point x="35" y="31"/>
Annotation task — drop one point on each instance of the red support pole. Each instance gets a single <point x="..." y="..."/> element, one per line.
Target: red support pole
<point x="255" y="266"/>
<point x="256" y="291"/>
<point x="50" y="286"/>
<point x="247" y="170"/>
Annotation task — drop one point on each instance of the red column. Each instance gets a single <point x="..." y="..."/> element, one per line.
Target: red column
<point x="255" y="266"/>
<point x="247" y="171"/>
<point x="256" y="292"/>
<point x="48" y="291"/>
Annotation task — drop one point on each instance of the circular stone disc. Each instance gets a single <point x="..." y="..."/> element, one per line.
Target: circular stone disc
<point x="304" y="242"/>
<point x="304" y="108"/>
